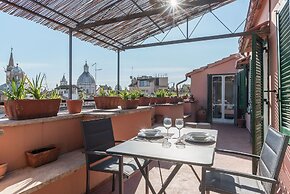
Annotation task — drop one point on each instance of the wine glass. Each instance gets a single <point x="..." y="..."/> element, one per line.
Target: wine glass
<point x="179" y="124"/>
<point x="167" y="123"/>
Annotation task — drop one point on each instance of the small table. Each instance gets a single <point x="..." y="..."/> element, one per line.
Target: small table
<point x="196" y="154"/>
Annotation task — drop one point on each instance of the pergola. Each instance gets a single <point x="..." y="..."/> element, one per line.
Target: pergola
<point x="117" y="25"/>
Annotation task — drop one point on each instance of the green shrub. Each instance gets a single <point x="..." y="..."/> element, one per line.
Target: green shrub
<point x="16" y="91"/>
<point x="35" y="87"/>
<point x="161" y="93"/>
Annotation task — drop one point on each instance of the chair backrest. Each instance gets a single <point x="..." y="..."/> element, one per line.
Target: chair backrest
<point x="272" y="156"/>
<point x="98" y="135"/>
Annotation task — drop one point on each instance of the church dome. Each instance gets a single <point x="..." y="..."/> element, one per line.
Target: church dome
<point x="86" y="78"/>
<point x="17" y="73"/>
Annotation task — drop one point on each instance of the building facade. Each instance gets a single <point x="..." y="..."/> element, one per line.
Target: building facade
<point x="63" y="89"/>
<point x="268" y="69"/>
<point x="149" y="84"/>
<point x="214" y="86"/>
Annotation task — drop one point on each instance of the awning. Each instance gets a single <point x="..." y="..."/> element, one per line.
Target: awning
<point x="111" y="24"/>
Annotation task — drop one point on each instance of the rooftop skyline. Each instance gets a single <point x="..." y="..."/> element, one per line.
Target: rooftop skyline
<point x="39" y="49"/>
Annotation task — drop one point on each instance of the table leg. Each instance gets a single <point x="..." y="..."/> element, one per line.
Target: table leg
<point x="141" y="168"/>
<point x="195" y="173"/>
<point x="170" y="177"/>
<point x="121" y="185"/>
<point x="147" y="174"/>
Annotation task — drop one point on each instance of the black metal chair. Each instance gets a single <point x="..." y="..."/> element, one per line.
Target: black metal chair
<point x="98" y="137"/>
<point x="269" y="165"/>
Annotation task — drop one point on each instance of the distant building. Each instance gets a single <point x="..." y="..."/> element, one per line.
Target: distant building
<point x="63" y="89"/>
<point x="12" y="72"/>
<point x="149" y="84"/>
<point x="86" y="82"/>
<point x="217" y="88"/>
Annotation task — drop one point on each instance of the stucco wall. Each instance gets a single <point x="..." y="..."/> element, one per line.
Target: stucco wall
<point x="199" y="79"/>
<point x="67" y="135"/>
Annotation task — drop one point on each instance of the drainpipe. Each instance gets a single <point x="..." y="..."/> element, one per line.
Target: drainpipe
<point x="186" y="77"/>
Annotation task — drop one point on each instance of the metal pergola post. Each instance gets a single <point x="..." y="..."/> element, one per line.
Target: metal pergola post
<point x="70" y="65"/>
<point x="118" y="71"/>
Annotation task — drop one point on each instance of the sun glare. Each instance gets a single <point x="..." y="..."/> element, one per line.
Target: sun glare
<point x="173" y="3"/>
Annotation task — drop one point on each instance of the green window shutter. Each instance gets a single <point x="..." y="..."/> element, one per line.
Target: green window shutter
<point x="242" y="93"/>
<point x="284" y="69"/>
<point x="257" y="99"/>
<point x="209" y="98"/>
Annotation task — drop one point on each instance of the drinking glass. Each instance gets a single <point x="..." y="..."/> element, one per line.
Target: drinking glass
<point x="179" y="124"/>
<point x="167" y="123"/>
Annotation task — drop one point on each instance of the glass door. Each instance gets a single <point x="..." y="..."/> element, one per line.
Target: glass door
<point x="223" y="98"/>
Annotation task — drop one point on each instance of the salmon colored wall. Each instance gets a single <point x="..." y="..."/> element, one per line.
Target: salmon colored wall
<point x="187" y="108"/>
<point x="67" y="135"/>
<point x="171" y="111"/>
<point x="74" y="183"/>
<point x="284" y="177"/>
<point x="264" y="13"/>
<point x="16" y="140"/>
<point x="199" y="80"/>
<point x="126" y="127"/>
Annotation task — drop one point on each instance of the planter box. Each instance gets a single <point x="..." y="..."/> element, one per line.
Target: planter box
<point x="42" y="156"/>
<point x="160" y="100"/>
<point x="74" y="106"/>
<point x="129" y="104"/>
<point x="144" y="101"/>
<point x="30" y="109"/>
<point x="107" y="102"/>
<point x="3" y="170"/>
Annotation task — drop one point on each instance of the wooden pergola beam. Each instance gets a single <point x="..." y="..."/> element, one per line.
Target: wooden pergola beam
<point x="164" y="9"/>
<point x="69" y="18"/>
<point x="100" y="11"/>
<point x="140" y="8"/>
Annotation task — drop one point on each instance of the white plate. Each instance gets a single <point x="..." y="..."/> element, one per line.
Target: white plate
<point x="144" y="135"/>
<point x="198" y="135"/>
<point x="150" y="132"/>
<point x="208" y="139"/>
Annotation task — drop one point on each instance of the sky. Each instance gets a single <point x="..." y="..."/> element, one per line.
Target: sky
<point x="37" y="48"/>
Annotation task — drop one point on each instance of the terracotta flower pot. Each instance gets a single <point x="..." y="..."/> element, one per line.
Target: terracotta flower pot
<point x="3" y="169"/>
<point x="74" y="106"/>
<point x="153" y="100"/>
<point x="129" y="104"/>
<point x="30" y="109"/>
<point x="107" y="102"/>
<point x="241" y="123"/>
<point x="160" y="100"/>
<point x="144" y="101"/>
<point x="201" y="115"/>
<point x="42" y="156"/>
<point x="174" y="100"/>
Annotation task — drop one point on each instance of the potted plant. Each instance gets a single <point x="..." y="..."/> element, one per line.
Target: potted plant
<point x="107" y="100"/>
<point x="129" y="99"/>
<point x="172" y="98"/>
<point x="144" y="100"/>
<point x="75" y="106"/>
<point x="3" y="166"/>
<point x="19" y="108"/>
<point x="161" y="96"/>
<point x="241" y="122"/>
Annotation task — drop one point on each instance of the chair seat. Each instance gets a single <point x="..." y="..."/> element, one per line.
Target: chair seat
<point x="225" y="183"/>
<point x="111" y="165"/>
